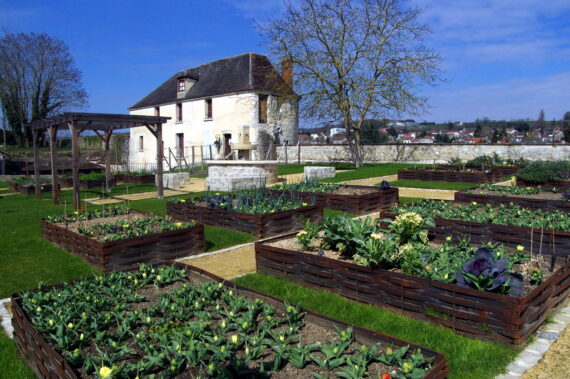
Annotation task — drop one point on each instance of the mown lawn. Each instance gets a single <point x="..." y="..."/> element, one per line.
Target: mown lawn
<point x="433" y="184"/>
<point x="370" y="170"/>
<point x="468" y="358"/>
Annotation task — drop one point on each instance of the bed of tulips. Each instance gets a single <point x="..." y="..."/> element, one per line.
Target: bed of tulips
<point x="154" y="321"/>
<point x="122" y="227"/>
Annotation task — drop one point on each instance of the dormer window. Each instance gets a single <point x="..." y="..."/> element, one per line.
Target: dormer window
<point x="181" y="85"/>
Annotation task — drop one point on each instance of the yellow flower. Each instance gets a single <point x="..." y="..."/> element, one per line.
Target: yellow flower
<point x="217" y="193"/>
<point x="446" y="276"/>
<point x="76" y="212"/>
<point x="473" y="203"/>
<point x="234" y="339"/>
<point x="304" y="204"/>
<point x="378" y="236"/>
<point x="178" y="224"/>
<point x="182" y="201"/>
<point x="126" y="226"/>
<point x="513" y="178"/>
<point x="302" y="232"/>
<point x="528" y="188"/>
<point x="520" y="248"/>
<point x="105" y="372"/>
<point x="448" y="238"/>
<point x="70" y="325"/>
<point x="428" y="268"/>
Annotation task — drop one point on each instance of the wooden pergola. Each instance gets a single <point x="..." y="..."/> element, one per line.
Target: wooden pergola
<point x="103" y="125"/>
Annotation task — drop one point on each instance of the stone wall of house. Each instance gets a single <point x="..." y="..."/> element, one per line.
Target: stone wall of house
<point x="422" y="153"/>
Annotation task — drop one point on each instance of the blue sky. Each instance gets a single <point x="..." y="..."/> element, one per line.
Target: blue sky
<point x="503" y="59"/>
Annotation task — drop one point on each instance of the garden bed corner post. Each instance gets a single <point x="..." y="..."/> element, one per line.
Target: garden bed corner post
<point x="54" y="178"/>
<point x="38" y="190"/>
<point x="75" y="158"/>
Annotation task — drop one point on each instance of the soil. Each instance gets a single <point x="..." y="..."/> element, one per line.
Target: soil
<point x="545" y="195"/>
<point x="74" y="226"/>
<point x="345" y="190"/>
<point x="524" y="269"/>
<point x="309" y="333"/>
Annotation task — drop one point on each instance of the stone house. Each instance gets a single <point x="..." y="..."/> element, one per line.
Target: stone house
<point x="229" y="108"/>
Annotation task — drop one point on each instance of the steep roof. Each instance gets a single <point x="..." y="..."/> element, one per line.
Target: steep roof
<point x="245" y="72"/>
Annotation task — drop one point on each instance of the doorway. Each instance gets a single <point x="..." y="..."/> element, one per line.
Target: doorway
<point x="227" y="146"/>
<point x="180" y="145"/>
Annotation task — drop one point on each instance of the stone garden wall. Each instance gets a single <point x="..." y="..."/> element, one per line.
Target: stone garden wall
<point x="423" y="153"/>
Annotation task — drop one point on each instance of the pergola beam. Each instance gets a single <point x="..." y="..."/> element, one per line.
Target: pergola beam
<point x="98" y="122"/>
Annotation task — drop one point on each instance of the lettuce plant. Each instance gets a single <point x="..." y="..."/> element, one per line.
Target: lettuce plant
<point x="484" y="274"/>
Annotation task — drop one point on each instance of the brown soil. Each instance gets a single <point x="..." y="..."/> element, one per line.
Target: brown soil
<point x="74" y="226"/>
<point x="344" y="190"/>
<point x="546" y="195"/>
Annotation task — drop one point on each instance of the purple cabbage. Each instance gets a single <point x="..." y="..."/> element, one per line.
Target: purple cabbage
<point x="484" y="274"/>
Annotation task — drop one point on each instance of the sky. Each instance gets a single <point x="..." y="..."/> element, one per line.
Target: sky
<point x="502" y="59"/>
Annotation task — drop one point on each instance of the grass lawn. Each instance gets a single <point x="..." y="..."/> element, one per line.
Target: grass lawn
<point x="467" y="358"/>
<point x="294" y="168"/>
<point x="11" y="365"/>
<point x="370" y="171"/>
<point x="433" y="184"/>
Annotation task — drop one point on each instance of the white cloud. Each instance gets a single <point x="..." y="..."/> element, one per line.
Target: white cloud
<point x="515" y="98"/>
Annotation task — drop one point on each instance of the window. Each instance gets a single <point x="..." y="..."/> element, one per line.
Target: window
<point x="181" y="84"/>
<point x="157" y="111"/>
<point x="208" y="108"/>
<point x="178" y="112"/>
<point x="141" y="143"/>
<point x="262" y="109"/>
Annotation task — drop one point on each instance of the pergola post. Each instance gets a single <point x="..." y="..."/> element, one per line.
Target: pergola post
<point x="36" y="137"/>
<point x="54" y="178"/>
<point x="75" y="162"/>
<point x="106" y="138"/>
<point x="159" y="158"/>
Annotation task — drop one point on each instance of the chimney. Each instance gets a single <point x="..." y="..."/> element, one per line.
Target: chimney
<point x="287" y="72"/>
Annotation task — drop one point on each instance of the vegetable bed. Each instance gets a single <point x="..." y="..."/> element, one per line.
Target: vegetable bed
<point x="346" y="198"/>
<point x="529" y="197"/>
<point x="87" y="184"/>
<point x="254" y="211"/>
<point x="450" y="175"/>
<point x="30" y="189"/>
<point x="469" y="311"/>
<point x="135" y="178"/>
<point x="560" y="185"/>
<point x="181" y="321"/>
<point x="119" y="239"/>
<point x="538" y="232"/>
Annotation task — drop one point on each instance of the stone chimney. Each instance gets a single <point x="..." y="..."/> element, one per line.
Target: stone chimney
<point x="287" y="72"/>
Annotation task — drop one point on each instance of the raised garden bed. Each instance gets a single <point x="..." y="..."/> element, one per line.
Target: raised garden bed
<point x="135" y="179"/>
<point x="563" y="185"/>
<point x="261" y="225"/>
<point x="50" y="359"/>
<point x="545" y="200"/>
<point x="501" y="170"/>
<point x="353" y="199"/>
<point x="475" y="313"/>
<point x="554" y="242"/>
<point x="87" y="184"/>
<point x="123" y="254"/>
<point x="450" y="175"/>
<point x="30" y="189"/>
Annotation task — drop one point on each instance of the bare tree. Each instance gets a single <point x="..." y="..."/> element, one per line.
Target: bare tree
<point x="38" y="78"/>
<point x="354" y="60"/>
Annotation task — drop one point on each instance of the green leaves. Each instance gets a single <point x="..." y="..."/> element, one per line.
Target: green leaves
<point x="108" y="322"/>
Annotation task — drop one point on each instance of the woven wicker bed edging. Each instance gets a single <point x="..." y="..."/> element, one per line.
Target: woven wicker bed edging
<point x="261" y="225"/>
<point x="127" y="253"/>
<point x="479" y="314"/>
<point x="46" y="362"/>
<point x="375" y="200"/>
